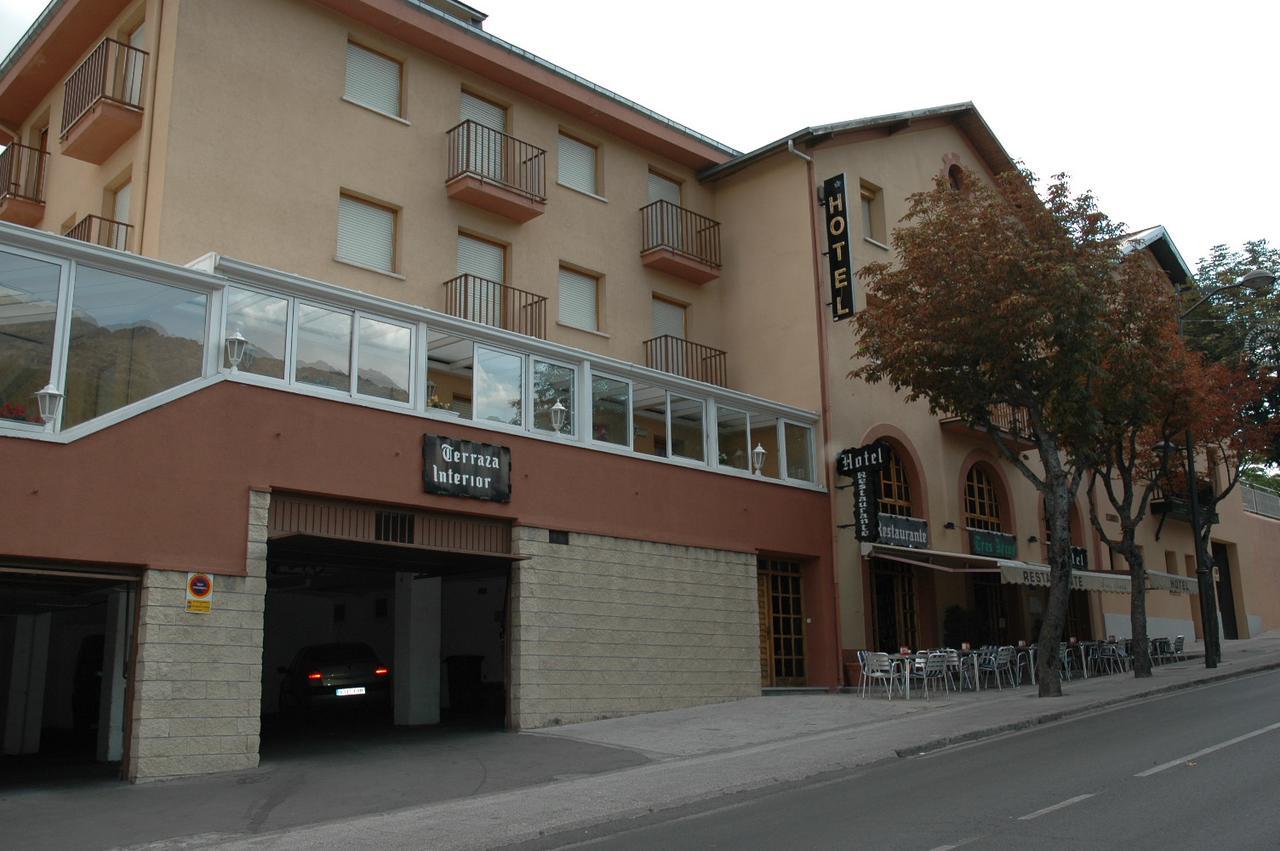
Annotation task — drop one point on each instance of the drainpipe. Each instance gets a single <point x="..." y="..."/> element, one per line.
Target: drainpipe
<point x="151" y="121"/>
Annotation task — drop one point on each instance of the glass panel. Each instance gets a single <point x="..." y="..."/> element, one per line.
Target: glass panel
<point x="499" y="386"/>
<point x="262" y="320"/>
<point x="732" y="428"/>
<point x="449" y="374"/>
<point x="764" y="432"/>
<point x="686" y="428"/>
<point x="649" y="407"/>
<point x="130" y="339"/>
<point x="553" y="383"/>
<point x="610" y="409"/>
<point x="385" y="358"/>
<point x="28" y="308"/>
<point x="799" y="452"/>
<point x="324" y="348"/>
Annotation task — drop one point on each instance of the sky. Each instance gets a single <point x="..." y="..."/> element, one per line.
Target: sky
<point x="1167" y="112"/>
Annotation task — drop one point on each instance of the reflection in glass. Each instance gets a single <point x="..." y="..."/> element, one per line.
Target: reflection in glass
<point x="28" y="308"/>
<point x="649" y="408"/>
<point x="686" y="428"/>
<point x="449" y="374"/>
<point x="385" y="359"/>
<point x="130" y="339"/>
<point x="261" y="319"/>
<point x="799" y="452"/>
<point x="764" y="432"/>
<point x="499" y="382"/>
<point x="734" y="449"/>
<point x="553" y="383"/>
<point x="324" y="348"/>
<point x="610" y="409"/>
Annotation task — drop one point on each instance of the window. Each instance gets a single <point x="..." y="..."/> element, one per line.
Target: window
<point x="799" y="446"/>
<point x="484" y="139"/>
<point x="262" y="320"/>
<point x="668" y="318"/>
<point x="649" y="425"/>
<point x="764" y="433"/>
<point x="873" y="226"/>
<point x="687" y="420"/>
<point x="366" y="234"/>
<point x="895" y="490"/>
<point x="29" y="299"/>
<point x="735" y="440"/>
<point x="579" y="300"/>
<point x="610" y="409"/>
<point x="323" y="356"/>
<point x="577" y="164"/>
<point x="663" y="189"/>
<point x="552" y="383"/>
<point x="373" y="80"/>
<point x="384" y="354"/>
<point x="499" y="387"/>
<point x="120" y="200"/>
<point x="981" y="503"/>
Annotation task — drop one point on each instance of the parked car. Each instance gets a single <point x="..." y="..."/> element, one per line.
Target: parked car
<point x="334" y="675"/>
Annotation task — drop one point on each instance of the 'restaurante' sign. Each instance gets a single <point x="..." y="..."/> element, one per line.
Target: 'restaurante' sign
<point x="839" y="264"/>
<point x="452" y="467"/>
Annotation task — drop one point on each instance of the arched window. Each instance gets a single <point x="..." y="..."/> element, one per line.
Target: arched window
<point x="895" y="490"/>
<point x="981" y="502"/>
<point x="955" y="177"/>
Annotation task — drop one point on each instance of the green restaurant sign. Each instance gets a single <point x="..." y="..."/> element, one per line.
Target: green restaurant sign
<point x="992" y="544"/>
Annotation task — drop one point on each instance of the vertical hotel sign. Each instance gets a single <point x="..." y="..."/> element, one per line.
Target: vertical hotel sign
<point x="863" y="465"/>
<point x="839" y="264"/>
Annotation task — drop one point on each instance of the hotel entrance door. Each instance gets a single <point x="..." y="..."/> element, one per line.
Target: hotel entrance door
<point x="781" y="606"/>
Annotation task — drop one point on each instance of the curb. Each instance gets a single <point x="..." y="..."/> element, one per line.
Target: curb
<point x="1059" y="715"/>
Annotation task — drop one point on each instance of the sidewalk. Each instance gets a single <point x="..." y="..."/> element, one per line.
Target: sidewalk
<point x="480" y="791"/>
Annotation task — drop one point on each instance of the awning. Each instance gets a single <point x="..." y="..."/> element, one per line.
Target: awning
<point x="1172" y="582"/>
<point x="936" y="559"/>
<point x="1021" y="573"/>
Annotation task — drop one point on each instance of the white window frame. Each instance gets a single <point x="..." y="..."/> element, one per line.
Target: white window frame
<point x="526" y="389"/>
<point x="630" y="445"/>
<point x="398" y="114"/>
<point x="330" y="392"/>
<point x="680" y="459"/>
<point x="355" y="358"/>
<point x="783" y="472"/>
<point x="577" y="401"/>
<point x="747" y="415"/>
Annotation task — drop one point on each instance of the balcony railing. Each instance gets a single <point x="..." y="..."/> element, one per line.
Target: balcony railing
<point x="1173" y="502"/>
<point x="690" y="360"/>
<point x="113" y="71"/>
<point x="1006" y="419"/>
<point x="680" y="231"/>
<point x="495" y="157"/>
<point x="99" y="231"/>
<point x="491" y="303"/>
<point x="1260" y="500"/>
<point x="22" y="171"/>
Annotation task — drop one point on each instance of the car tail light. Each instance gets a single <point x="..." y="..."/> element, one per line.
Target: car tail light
<point x="315" y="675"/>
<point x="381" y="672"/>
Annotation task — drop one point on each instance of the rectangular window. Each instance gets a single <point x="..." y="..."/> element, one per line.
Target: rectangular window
<point x="764" y="434"/>
<point x="262" y="320"/>
<point x="373" y="80"/>
<point x="735" y="440"/>
<point x="799" y="444"/>
<point x="663" y="189"/>
<point x="577" y="165"/>
<point x="649" y="409"/>
<point x="499" y="387"/>
<point x="484" y="139"/>
<point x="873" y="223"/>
<point x="481" y="265"/>
<point x="687" y="419"/>
<point x="366" y="234"/>
<point x="579" y="305"/>
<point x="610" y="409"/>
<point x="323" y="356"/>
<point x="28" y="310"/>
<point x="384" y="354"/>
<point x="668" y="318"/>
<point x="554" y="384"/>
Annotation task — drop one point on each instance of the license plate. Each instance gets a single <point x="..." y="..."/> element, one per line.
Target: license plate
<point x="347" y="692"/>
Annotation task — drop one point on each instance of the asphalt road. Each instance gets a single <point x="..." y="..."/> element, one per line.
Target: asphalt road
<point x="1194" y="769"/>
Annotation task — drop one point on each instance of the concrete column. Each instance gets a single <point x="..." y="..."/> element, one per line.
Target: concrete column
<point x="111" y="702"/>
<point x="24" y="712"/>
<point x="416" y="667"/>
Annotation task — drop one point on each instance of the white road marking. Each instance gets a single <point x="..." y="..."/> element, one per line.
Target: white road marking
<point x="957" y="845"/>
<point x="1228" y="743"/>
<point x="1077" y="799"/>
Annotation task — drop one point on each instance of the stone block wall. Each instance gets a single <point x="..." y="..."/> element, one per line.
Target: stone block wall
<point x="603" y="627"/>
<point x="198" y="680"/>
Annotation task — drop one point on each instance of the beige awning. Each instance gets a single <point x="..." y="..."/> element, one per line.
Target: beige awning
<point x="1172" y="582"/>
<point x="935" y="559"/>
<point x="1024" y="573"/>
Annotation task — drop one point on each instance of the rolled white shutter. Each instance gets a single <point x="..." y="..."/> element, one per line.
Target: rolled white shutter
<point x="661" y="189"/>
<point x="577" y="165"/>
<point x="482" y="112"/>
<point x="373" y="80"/>
<point x="484" y="260"/>
<point x="578" y="300"/>
<point x="668" y="319"/>
<point x="366" y="234"/>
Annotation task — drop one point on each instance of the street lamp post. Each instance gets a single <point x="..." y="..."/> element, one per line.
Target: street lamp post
<point x="1261" y="281"/>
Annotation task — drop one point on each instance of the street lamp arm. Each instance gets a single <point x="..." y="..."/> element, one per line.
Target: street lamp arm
<point x="1256" y="280"/>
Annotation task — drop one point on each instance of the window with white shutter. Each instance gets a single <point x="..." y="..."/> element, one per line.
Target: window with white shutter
<point x="579" y="297"/>
<point x="373" y="80"/>
<point x="662" y="189"/>
<point x="483" y="265"/>
<point x="484" y="140"/>
<point x="668" y="318"/>
<point x="366" y="234"/>
<point x="577" y="165"/>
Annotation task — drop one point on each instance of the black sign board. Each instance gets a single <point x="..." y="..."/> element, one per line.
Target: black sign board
<point x="863" y="464"/>
<point x="1079" y="558"/>
<point x="993" y="544"/>
<point x="904" y="531"/>
<point x="873" y="456"/>
<point x="839" y="263"/>
<point x="452" y="467"/>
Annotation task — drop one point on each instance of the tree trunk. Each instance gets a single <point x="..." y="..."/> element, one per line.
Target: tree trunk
<point x="1057" y="505"/>
<point x="1138" y="608"/>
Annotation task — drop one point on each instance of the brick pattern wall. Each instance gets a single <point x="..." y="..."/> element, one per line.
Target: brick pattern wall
<point x="603" y="627"/>
<point x="198" y="680"/>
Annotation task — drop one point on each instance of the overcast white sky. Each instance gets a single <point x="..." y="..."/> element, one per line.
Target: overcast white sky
<point x="1168" y="112"/>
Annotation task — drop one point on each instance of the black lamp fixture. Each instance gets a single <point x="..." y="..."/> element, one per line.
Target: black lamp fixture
<point x="948" y="525"/>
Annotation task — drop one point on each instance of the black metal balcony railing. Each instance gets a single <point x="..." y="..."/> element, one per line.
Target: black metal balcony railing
<point x="99" y="231"/>
<point x="1004" y="418"/>
<point x="498" y="158"/>
<point x="666" y="225"/>
<point x="113" y="71"/>
<point x="691" y="360"/>
<point x="22" y="171"/>
<point x="1173" y="501"/>
<point x="490" y="303"/>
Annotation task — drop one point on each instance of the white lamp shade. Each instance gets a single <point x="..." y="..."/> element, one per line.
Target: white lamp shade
<point x="235" y="349"/>
<point x="757" y="458"/>
<point x="50" y="401"/>
<point x="558" y="412"/>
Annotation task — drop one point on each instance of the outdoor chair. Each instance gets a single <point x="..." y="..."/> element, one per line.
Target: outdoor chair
<point x="931" y="669"/>
<point x="880" y="668"/>
<point x="862" y="669"/>
<point x="1178" y="652"/>
<point x="1065" y="660"/>
<point x="957" y="668"/>
<point x="993" y="665"/>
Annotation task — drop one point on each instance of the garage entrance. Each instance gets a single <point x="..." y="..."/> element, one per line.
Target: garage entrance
<point x="66" y="638"/>
<point x="377" y="621"/>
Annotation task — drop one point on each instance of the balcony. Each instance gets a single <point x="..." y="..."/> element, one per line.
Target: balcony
<point x="680" y="242"/>
<point x="490" y="303"/>
<point x="99" y="231"/>
<point x="1260" y="500"/>
<point x="1011" y="422"/>
<point x="496" y="172"/>
<point x="1171" y="502"/>
<point x="102" y="102"/>
<point x="22" y="171"/>
<point x="689" y="360"/>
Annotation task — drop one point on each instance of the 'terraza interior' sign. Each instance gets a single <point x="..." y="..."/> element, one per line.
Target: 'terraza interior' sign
<point x="452" y="467"/>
